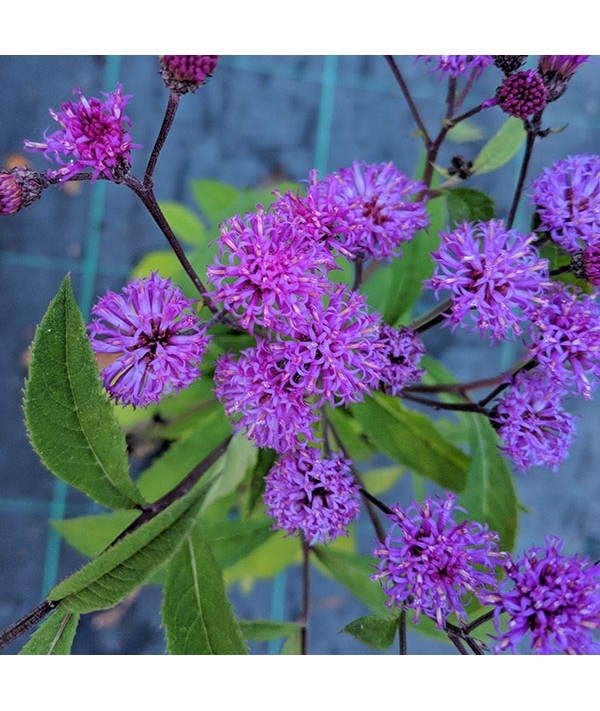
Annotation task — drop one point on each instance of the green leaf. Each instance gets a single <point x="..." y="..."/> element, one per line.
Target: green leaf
<point x="490" y="495"/>
<point x="266" y="630"/>
<point x="293" y="644"/>
<point x="108" y="579"/>
<point x="468" y="205"/>
<point x="90" y="535"/>
<point x="501" y="147"/>
<point x="232" y="540"/>
<point x="55" y="635"/>
<point x="351" y="433"/>
<point x="184" y="223"/>
<point x="196" y="611"/>
<point x="380" y="479"/>
<point x="374" y="631"/>
<point x="410" y="438"/>
<point x="256" y="482"/>
<point x="465" y="132"/>
<point x="70" y="422"/>
<point x="215" y="199"/>
<point x="240" y="457"/>
<point x="353" y="571"/>
<point x="162" y="261"/>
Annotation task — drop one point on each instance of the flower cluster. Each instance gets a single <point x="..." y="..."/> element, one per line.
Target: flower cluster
<point x="493" y="274"/>
<point x="184" y="73"/>
<point x="92" y="135"/>
<point x="433" y="565"/>
<point x="521" y="94"/>
<point x="402" y="350"/>
<point x="456" y="64"/>
<point x="314" y="496"/>
<point x="157" y="339"/>
<point x="552" y="598"/>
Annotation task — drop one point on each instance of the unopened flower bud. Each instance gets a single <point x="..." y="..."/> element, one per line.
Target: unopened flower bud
<point x="183" y="73"/>
<point x="522" y="94"/>
<point x="19" y="187"/>
<point x="509" y="63"/>
<point x="556" y="70"/>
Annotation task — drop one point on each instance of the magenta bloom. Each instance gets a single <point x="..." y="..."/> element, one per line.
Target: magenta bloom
<point x="565" y="338"/>
<point x="183" y="73"/>
<point x="534" y="427"/>
<point x="92" y="135"/>
<point x="456" y="64"/>
<point x="552" y="599"/>
<point x="557" y="70"/>
<point x="402" y="350"/>
<point x="433" y="565"/>
<point x="312" y="495"/>
<point x="336" y="350"/>
<point x="19" y="188"/>
<point x="521" y="94"/>
<point x="262" y="397"/>
<point x="379" y="209"/>
<point x="589" y="263"/>
<point x="567" y="199"/>
<point x="266" y="269"/>
<point x="493" y="275"/>
<point x="157" y="336"/>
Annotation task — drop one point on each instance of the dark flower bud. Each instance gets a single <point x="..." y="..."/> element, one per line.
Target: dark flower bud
<point x="556" y="70"/>
<point x="509" y="63"/>
<point x="586" y="264"/>
<point x="184" y="73"/>
<point x="19" y="187"/>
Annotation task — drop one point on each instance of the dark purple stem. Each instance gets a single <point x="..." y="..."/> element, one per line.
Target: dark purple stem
<point x="170" y="112"/>
<point x="409" y="100"/>
<point x="305" y="596"/>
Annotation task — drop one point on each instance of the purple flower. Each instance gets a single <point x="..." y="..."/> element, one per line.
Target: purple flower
<point x="183" y="73"/>
<point x="433" y="565"/>
<point x="157" y="336"/>
<point x="457" y="64"/>
<point x="534" y="428"/>
<point x="565" y="337"/>
<point x="493" y="274"/>
<point x="589" y="262"/>
<point x="262" y="397"/>
<point x="19" y="188"/>
<point x="521" y="94"/>
<point x="315" y="496"/>
<point x="92" y="135"/>
<point x="552" y="598"/>
<point x="266" y="269"/>
<point x="557" y="70"/>
<point x="567" y="196"/>
<point x="336" y="350"/>
<point x="402" y="350"/>
<point x="379" y="209"/>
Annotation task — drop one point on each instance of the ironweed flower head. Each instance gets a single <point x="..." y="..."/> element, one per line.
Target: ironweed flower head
<point x="493" y="275"/>
<point x="456" y="64"/>
<point x="92" y="135"/>
<point x="266" y="269"/>
<point x="567" y="199"/>
<point x="551" y="599"/>
<point x="590" y="263"/>
<point x="557" y="70"/>
<point x="380" y="209"/>
<point x="402" y="351"/>
<point x="312" y="495"/>
<point x="534" y="428"/>
<point x="521" y="94"/>
<point x="183" y="73"/>
<point x="158" y="339"/>
<point x="262" y="397"/>
<point x="565" y="338"/>
<point x="433" y="565"/>
<point x="19" y="188"/>
<point x="509" y="63"/>
<point x="335" y="349"/>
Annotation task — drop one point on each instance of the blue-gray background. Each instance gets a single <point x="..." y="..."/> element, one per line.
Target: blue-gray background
<point x="260" y="118"/>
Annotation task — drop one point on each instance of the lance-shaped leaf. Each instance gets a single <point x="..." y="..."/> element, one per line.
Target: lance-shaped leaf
<point x="196" y="611"/>
<point x="70" y="422"/>
<point x="55" y="635"/>
<point x="501" y="147"/>
<point x="108" y="579"/>
<point x="266" y="630"/>
<point x="468" y="205"/>
<point x="374" y="631"/>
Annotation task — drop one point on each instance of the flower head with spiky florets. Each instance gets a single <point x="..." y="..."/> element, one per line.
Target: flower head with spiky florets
<point x="565" y="338"/>
<point x="550" y="598"/>
<point x="521" y="94"/>
<point x="557" y="70"/>
<point x="402" y="350"/>
<point x="93" y="135"/>
<point x="534" y="428"/>
<point x="335" y="349"/>
<point x="266" y="270"/>
<point x="158" y="340"/>
<point x="567" y="196"/>
<point x="456" y="64"/>
<point x="183" y="73"/>
<point x="493" y="275"/>
<point x="380" y="211"/>
<point x="263" y="397"/>
<point x="433" y="565"/>
<point x="315" y="496"/>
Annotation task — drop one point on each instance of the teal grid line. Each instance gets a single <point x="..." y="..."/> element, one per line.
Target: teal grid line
<point x="88" y="273"/>
<point x="63" y="264"/>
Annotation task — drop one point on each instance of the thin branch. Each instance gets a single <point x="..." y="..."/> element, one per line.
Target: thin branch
<point x="531" y="136"/>
<point x="25" y="623"/>
<point x="170" y="112"/>
<point x="409" y="100"/>
<point x="436" y="405"/>
<point x="402" y="647"/>
<point x="305" y="596"/>
<point x="432" y="318"/>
